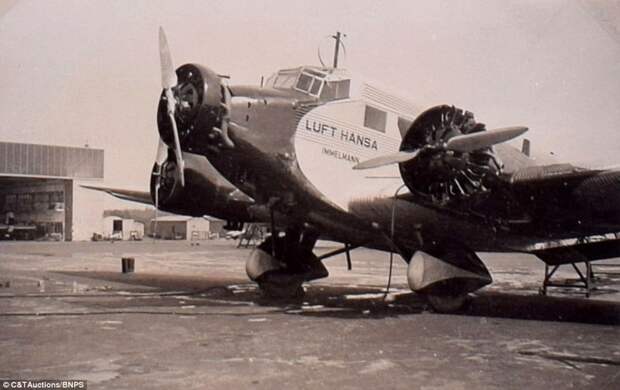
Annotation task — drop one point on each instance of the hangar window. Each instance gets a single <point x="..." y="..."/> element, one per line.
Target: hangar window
<point x="375" y="119"/>
<point x="24" y="202"/>
<point x="41" y="197"/>
<point x="52" y="227"/>
<point x="57" y="196"/>
<point x="10" y="202"/>
<point x="117" y="225"/>
<point x="41" y="201"/>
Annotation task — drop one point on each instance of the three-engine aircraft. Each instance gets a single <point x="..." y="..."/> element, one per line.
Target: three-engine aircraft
<point x="318" y="154"/>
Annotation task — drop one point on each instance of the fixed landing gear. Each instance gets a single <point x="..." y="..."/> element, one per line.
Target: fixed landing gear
<point x="281" y="264"/>
<point x="447" y="276"/>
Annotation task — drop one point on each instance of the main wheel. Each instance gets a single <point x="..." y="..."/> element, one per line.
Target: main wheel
<point x="292" y="290"/>
<point x="447" y="303"/>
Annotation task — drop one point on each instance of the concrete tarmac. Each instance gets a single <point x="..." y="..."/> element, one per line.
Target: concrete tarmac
<point x="189" y="318"/>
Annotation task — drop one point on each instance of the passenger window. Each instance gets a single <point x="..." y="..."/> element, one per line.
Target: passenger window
<point x="375" y="119"/>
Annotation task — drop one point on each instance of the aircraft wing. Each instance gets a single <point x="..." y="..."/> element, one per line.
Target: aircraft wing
<point x="131" y="195"/>
<point x="565" y="175"/>
<point x="580" y="252"/>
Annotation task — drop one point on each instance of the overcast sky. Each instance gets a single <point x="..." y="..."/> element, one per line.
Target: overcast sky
<point x="77" y="72"/>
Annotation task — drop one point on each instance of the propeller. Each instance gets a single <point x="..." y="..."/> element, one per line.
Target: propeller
<point x="388" y="159"/>
<point x="169" y="81"/>
<point x="469" y="142"/>
<point x="461" y="143"/>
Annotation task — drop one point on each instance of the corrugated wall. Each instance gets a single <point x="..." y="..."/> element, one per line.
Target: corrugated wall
<point x="47" y="160"/>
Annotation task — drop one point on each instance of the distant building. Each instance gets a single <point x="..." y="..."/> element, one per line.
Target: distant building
<point x="122" y="228"/>
<point x="176" y="227"/>
<point x="39" y="186"/>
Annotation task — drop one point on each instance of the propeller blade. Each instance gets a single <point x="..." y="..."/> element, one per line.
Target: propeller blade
<point x="169" y="80"/>
<point x="168" y="75"/>
<point x="483" y="139"/>
<point x="388" y="159"/>
<point x="177" y="147"/>
<point x="162" y="152"/>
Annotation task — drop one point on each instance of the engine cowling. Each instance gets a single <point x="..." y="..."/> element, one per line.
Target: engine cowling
<point x="166" y="189"/>
<point x="200" y="110"/>
<point x="441" y="177"/>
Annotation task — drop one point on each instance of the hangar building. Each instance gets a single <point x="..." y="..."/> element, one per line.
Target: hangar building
<point x="39" y="187"/>
<point x="178" y="227"/>
<point x="115" y="227"/>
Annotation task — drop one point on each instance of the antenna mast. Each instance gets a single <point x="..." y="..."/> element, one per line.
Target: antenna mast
<point x="338" y="37"/>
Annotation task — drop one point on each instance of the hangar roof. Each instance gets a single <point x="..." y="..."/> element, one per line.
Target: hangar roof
<point x="20" y="159"/>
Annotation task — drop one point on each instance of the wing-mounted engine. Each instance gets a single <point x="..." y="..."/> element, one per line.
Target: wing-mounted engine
<point x="441" y="176"/>
<point x="447" y="161"/>
<point x="165" y="186"/>
<point x="205" y="191"/>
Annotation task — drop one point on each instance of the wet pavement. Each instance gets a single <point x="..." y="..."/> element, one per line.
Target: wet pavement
<point x="188" y="317"/>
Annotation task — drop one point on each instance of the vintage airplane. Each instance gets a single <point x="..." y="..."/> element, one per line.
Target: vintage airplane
<point x="296" y="152"/>
<point x="10" y="230"/>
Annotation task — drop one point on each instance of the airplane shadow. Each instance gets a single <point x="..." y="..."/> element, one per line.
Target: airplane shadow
<point x="353" y="302"/>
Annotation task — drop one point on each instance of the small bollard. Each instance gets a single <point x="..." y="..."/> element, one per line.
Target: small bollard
<point x="127" y="264"/>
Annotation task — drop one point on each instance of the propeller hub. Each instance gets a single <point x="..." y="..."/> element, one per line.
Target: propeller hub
<point x="439" y="175"/>
<point x="196" y="104"/>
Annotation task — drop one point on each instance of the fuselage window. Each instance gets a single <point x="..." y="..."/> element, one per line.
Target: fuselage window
<point x="403" y="126"/>
<point x="375" y="119"/>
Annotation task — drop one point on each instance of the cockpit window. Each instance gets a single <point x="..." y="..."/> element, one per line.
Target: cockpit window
<point x="285" y="80"/>
<point x="310" y="82"/>
<point x="316" y="86"/>
<point x="334" y="90"/>
<point x="314" y="82"/>
<point x="304" y="82"/>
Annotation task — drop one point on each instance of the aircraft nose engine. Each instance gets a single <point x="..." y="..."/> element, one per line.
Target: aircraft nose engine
<point x="200" y="110"/>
